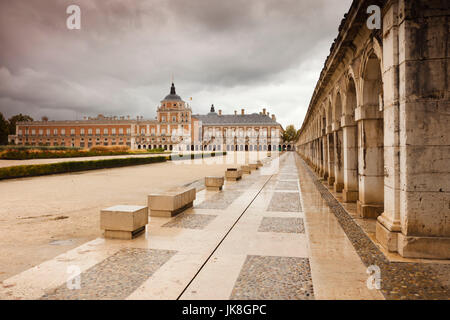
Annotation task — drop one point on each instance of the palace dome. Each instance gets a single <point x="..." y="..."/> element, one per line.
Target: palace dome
<point x="172" y="95"/>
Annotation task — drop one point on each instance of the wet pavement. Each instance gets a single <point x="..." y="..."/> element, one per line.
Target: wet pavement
<point x="273" y="235"/>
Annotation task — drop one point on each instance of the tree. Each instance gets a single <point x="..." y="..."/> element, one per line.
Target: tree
<point x="290" y="134"/>
<point x="3" y="130"/>
<point x="17" y="118"/>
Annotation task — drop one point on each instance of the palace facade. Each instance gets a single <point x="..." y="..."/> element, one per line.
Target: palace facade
<point x="174" y="128"/>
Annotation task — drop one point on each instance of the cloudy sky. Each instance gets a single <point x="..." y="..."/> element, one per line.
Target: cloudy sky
<point x="235" y="54"/>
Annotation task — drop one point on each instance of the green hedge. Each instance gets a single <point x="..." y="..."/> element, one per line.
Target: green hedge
<point x="73" y="166"/>
<point x="156" y="150"/>
<point x="26" y="155"/>
<point x="54" y="148"/>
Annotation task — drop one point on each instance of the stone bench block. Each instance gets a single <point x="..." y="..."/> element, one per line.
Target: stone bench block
<point x="171" y="203"/>
<point x="214" y="183"/>
<point x="253" y="166"/>
<point x="233" y="174"/>
<point x="123" y="221"/>
<point x="246" y="169"/>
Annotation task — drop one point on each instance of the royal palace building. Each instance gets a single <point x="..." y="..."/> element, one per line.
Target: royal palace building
<point x="174" y="128"/>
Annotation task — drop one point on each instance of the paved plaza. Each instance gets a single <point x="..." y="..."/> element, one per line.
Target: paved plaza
<point x="273" y="235"/>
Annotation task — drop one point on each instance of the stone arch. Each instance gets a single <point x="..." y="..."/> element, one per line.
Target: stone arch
<point x="351" y="94"/>
<point x="371" y="137"/>
<point x="328" y="111"/>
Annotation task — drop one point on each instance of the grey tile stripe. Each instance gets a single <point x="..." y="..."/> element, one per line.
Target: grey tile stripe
<point x="274" y="278"/>
<point x="190" y="221"/>
<point x="282" y="225"/>
<point x="116" y="277"/>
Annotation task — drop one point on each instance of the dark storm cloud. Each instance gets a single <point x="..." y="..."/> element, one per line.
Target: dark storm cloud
<point x="236" y="53"/>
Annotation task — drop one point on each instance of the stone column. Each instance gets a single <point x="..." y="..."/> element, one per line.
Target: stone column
<point x="330" y="150"/>
<point x="350" y="150"/>
<point x="370" y="161"/>
<point x="324" y="163"/>
<point x="388" y="224"/>
<point x="424" y="135"/>
<point x="338" y="157"/>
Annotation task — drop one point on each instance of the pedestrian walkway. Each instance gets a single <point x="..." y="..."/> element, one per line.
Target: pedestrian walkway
<point x="271" y="235"/>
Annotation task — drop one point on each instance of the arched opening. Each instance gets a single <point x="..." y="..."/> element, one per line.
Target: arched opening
<point x="371" y="142"/>
<point x="270" y="147"/>
<point x="246" y="147"/>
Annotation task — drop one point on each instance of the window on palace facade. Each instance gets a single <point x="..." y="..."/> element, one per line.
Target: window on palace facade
<point x="63" y="132"/>
<point x="41" y="132"/>
<point x="174" y="118"/>
<point x="163" y="119"/>
<point x="113" y="131"/>
<point x="97" y="131"/>
<point x="89" y="131"/>
<point x="105" y="131"/>
<point x="20" y="132"/>
<point x="33" y="132"/>
<point x="128" y="131"/>
<point x="82" y="132"/>
<point x="47" y="132"/>
<point x="142" y="131"/>
<point x="72" y="132"/>
<point x="121" y="131"/>
<point x="55" y="132"/>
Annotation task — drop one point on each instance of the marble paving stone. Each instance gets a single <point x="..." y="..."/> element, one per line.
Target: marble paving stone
<point x="285" y="202"/>
<point x="287" y="185"/>
<point x="243" y="184"/>
<point x="220" y="200"/>
<point x="115" y="277"/>
<point x="287" y="177"/>
<point x="190" y="221"/>
<point x="283" y="225"/>
<point x="274" y="278"/>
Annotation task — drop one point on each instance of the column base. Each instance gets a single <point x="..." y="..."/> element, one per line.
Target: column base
<point x="370" y="211"/>
<point x="338" y="187"/>
<point x="330" y="181"/>
<point x="349" y="196"/>
<point x="388" y="239"/>
<point x="423" y="247"/>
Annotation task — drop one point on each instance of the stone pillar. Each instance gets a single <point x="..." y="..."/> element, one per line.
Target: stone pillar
<point x="370" y="161"/>
<point x="350" y="149"/>
<point x="324" y="174"/>
<point x="316" y="155"/>
<point x="424" y="137"/>
<point x="338" y="157"/>
<point x="330" y="150"/>
<point x="388" y="224"/>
